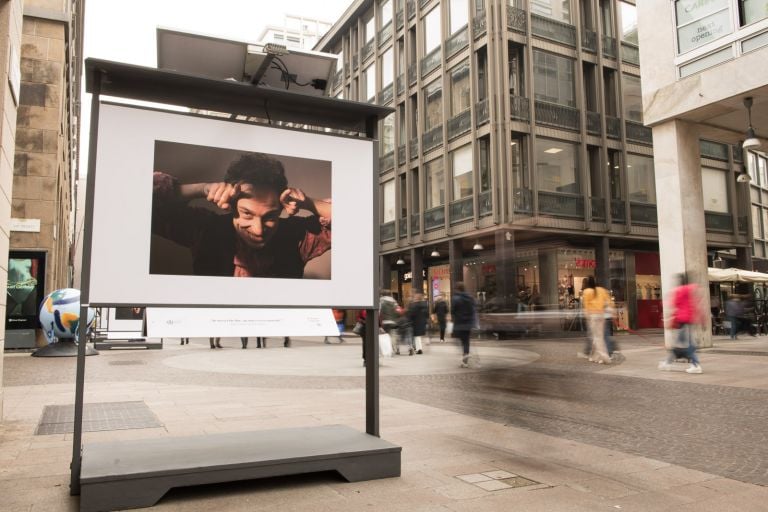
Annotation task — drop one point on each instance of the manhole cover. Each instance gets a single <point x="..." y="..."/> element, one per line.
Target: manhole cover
<point x="126" y="363"/>
<point x="496" y="480"/>
<point x="60" y="419"/>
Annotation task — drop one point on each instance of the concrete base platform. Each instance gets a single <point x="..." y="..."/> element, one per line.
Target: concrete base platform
<point x="63" y="348"/>
<point x="144" y="343"/>
<point x="135" y="474"/>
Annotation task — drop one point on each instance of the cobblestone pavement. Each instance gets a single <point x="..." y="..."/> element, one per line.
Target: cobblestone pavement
<point x="716" y="429"/>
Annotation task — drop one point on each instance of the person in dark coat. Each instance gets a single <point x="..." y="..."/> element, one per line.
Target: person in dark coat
<point x="464" y="313"/>
<point x="440" y="310"/>
<point x="418" y="315"/>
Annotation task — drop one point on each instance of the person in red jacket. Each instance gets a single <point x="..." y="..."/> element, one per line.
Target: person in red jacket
<point x="686" y="313"/>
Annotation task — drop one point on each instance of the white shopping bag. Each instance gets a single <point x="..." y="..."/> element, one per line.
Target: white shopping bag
<point x="385" y="345"/>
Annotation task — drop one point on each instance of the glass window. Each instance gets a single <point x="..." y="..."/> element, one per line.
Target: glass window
<point x="752" y="167"/>
<point x="388" y="134"/>
<point x="553" y="79"/>
<point x="715" y="186"/>
<point x="387" y="67"/>
<point x="762" y="170"/>
<point x="641" y="182"/>
<point x="757" y="229"/>
<point x="403" y="196"/>
<point x="460" y="100"/>
<point x="628" y="23"/>
<point x="340" y="60"/>
<point x="701" y="22"/>
<point x="415" y="202"/>
<point x="482" y="74"/>
<point x="458" y="15"/>
<point x="403" y="137"/>
<point x="557" y="166"/>
<point x="606" y="18"/>
<point x="484" y="148"/>
<point x="386" y="13"/>
<point x="433" y="106"/>
<point x="432" y="36"/>
<point x="519" y="174"/>
<point x="765" y="219"/>
<point x="559" y="10"/>
<point x="370" y="30"/>
<point x="388" y="201"/>
<point x="751" y="11"/>
<point x="370" y="82"/>
<point x="633" y="100"/>
<point x="461" y="160"/>
<point x="435" y="183"/>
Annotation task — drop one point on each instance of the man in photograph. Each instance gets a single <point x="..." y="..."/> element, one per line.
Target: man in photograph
<point x="249" y="236"/>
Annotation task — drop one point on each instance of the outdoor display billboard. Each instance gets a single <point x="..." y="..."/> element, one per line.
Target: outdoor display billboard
<point x="193" y="210"/>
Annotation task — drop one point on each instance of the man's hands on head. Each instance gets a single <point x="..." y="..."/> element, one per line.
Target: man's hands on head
<point x="221" y="194"/>
<point x="293" y="200"/>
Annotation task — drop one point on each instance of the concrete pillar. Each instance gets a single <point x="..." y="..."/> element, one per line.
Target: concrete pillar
<point x="744" y="257"/>
<point x="455" y="262"/>
<point x="602" y="263"/>
<point x="385" y="272"/>
<point x="506" y="287"/>
<point x="548" y="283"/>
<point x="417" y="271"/>
<point x="680" y="204"/>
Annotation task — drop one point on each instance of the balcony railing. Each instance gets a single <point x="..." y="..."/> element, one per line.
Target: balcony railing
<point x="558" y="116"/>
<point x="637" y="132"/>
<point x="368" y="48"/>
<point x="516" y="19"/>
<point x="401" y="155"/>
<point x="387" y="161"/>
<point x="338" y="78"/>
<point x="400" y="81"/>
<point x="414" y="223"/>
<point x="385" y="33"/>
<point x="485" y="203"/>
<point x="479" y="25"/>
<point x="613" y="127"/>
<point x="387" y="231"/>
<point x="589" y="40"/>
<point x="716" y="221"/>
<point x="553" y="30"/>
<point x="561" y="205"/>
<point x="459" y="124"/>
<point x="431" y="61"/>
<point x="432" y="138"/>
<point x="643" y="213"/>
<point x="412" y="73"/>
<point x="594" y="124"/>
<point x="422" y="3"/>
<point x="413" y="145"/>
<point x="630" y="53"/>
<point x="410" y="8"/>
<point x="461" y="210"/>
<point x="481" y="112"/>
<point x="520" y="108"/>
<point x="400" y="19"/>
<point x="609" y="47"/>
<point x="434" y="218"/>
<point x="403" y="227"/>
<point x="386" y="94"/>
<point x="457" y="42"/>
<point x="523" y="201"/>
<point x="597" y="205"/>
<point x="618" y="211"/>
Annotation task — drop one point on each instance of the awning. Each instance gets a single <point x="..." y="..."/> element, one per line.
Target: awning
<point x="736" y="275"/>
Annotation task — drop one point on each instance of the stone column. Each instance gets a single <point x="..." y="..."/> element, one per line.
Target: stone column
<point x="680" y="205"/>
<point x="506" y="288"/>
<point x="548" y="278"/>
<point x="385" y="272"/>
<point x="602" y="263"/>
<point x="455" y="262"/>
<point x="417" y="271"/>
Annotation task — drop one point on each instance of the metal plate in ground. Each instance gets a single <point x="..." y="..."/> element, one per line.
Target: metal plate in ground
<point x="131" y="362"/>
<point x="59" y="419"/>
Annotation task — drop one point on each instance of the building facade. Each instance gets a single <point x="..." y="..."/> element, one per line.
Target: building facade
<point x="297" y="32"/>
<point x="41" y="229"/>
<point x="517" y="160"/>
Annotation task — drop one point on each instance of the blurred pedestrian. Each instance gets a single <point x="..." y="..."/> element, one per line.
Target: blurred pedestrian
<point x="215" y="342"/>
<point x="464" y="314"/>
<point x="389" y="317"/>
<point x="440" y="310"/>
<point x="338" y="317"/>
<point x="244" y="341"/>
<point x="733" y="312"/>
<point x="596" y="300"/>
<point x="686" y="313"/>
<point x="261" y="342"/>
<point x="418" y="314"/>
<point x="185" y="341"/>
<point x="360" y="331"/>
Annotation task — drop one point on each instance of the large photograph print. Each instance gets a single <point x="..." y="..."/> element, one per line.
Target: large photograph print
<point x="223" y="212"/>
<point x="201" y="211"/>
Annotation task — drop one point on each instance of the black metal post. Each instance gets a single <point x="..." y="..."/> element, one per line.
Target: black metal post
<point x="372" y="315"/>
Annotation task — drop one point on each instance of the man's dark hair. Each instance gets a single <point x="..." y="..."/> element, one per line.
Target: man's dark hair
<point x="591" y="282"/>
<point x="460" y="287"/>
<point x="260" y="170"/>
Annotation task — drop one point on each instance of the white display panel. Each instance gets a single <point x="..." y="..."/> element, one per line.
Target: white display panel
<point x="226" y="322"/>
<point x="133" y="141"/>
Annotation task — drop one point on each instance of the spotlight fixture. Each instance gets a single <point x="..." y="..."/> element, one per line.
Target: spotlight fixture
<point x="751" y="142"/>
<point x="435" y="253"/>
<point x="743" y="176"/>
<point x="478" y="246"/>
<point x="400" y="261"/>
